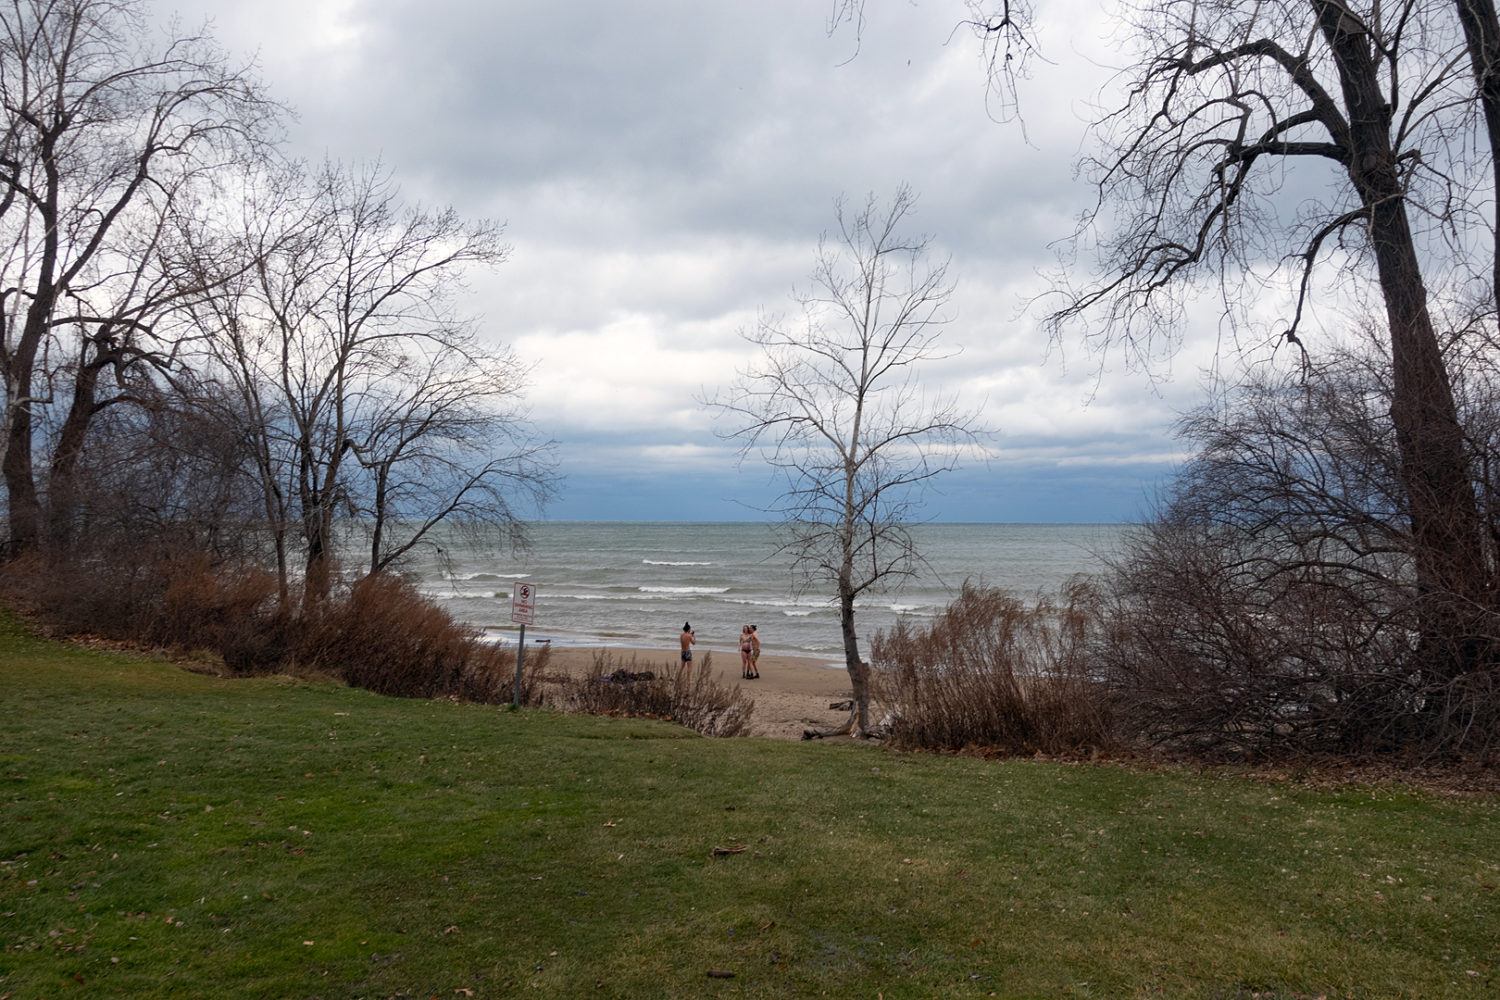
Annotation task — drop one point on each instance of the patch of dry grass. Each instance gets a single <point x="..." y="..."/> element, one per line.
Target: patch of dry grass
<point x="683" y="693"/>
<point x="992" y="673"/>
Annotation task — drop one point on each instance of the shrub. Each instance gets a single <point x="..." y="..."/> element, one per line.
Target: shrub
<point x="75" y="598"/>
<point x="991" y="673"/>
<point x="676" y="692"/>
<point x="203" y="604"/>
<point x="382" y="635"/>
<point x="1279" y="603"/>
<point x="1225" y="644"/>
<point x="176" y="600"/>
<point x="378" y="633"/>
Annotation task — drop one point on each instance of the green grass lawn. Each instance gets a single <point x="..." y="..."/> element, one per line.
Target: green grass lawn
<point x="169" y="834"/>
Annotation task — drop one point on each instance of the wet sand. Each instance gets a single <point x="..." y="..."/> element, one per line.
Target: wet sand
<point x="792" y="695"/>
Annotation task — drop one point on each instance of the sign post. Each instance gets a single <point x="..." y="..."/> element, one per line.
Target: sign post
<point x="522" y="610"/>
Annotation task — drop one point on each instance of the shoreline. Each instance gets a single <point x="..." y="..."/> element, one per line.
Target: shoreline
<point x="506" y="635"/>
<point x="792" y="695"/>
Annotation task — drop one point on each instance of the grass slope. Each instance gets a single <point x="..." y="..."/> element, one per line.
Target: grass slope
<point x="167" y="834"/>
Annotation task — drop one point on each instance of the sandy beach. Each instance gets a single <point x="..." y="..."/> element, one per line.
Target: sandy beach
<point x="792" y="695"/>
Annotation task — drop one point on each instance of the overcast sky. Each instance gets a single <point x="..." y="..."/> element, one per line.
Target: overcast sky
<point x="664" y="169"/>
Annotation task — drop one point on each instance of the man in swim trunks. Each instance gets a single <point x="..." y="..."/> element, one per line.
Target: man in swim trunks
<point x="688" y="638"/>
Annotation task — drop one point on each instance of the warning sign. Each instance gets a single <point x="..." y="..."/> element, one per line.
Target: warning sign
<point x="523" y="604"/>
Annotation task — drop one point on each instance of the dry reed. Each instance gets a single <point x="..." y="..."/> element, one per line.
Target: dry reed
<point x="682" y="693"/>
<point x="994" y="675"/>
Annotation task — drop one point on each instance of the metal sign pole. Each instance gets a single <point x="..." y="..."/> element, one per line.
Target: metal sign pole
<point x="522" y="608"/>
<point x="520" y="658"/>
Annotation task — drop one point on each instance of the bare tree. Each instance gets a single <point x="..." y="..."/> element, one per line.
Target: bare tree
<point x="367" y="393"/>
<point x="833" y="405"/>
<point x="446" y="442"/>
<point x="245" y="400"/>
<point x="1279" y="153"/>
<point x="165" y="478"/>
<point x="1269" y="607"/>
<point x="105" y="134"/>
<point x="1230" y="102"/>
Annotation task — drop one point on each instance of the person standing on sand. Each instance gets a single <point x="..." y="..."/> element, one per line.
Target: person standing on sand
<point x="754" y="653"/>
<point x="746" y="647"/>
<point x="688" y="638"/>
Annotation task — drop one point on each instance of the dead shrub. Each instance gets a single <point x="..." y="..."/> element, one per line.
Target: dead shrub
<point x="76" y="598"/>
<point x="380" y="634"/>
<point x="1280" y="604"/>
<point x="1227" y="644"/>
<point x="675" y="692"/>
<point x="175" y="600"/>
<point x="201" y="603"/>
<point x="993" y="673"/>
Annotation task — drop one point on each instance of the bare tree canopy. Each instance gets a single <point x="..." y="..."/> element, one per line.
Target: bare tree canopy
<point x="362" y="385"/>
<point x="1270" y="607"/>
<point x="1003" y="29"/>
<point x="833" y="405"/>
<point x="107" y="136"/>
<point x="1290" y="138"/>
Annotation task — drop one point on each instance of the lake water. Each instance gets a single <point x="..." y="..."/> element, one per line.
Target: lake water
<point x="633" y="584"/>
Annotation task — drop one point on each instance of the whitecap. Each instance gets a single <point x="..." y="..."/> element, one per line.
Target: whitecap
<point x="684" y="590"/>
<point x="663" y="562"/>
<point x="589" y="597"/>
<point x="769" y="603"/>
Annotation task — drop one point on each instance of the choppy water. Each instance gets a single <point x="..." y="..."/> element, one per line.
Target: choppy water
<point x="634" y="584"/>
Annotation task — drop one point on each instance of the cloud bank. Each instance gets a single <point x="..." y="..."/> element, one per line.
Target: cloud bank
<point x="665" y="170"/>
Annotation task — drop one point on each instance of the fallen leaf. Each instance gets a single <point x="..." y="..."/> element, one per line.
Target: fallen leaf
<point x="719" y="852"/>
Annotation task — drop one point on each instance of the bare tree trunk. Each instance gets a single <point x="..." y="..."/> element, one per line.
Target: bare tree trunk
<point x="1447" y="532"/>
<point x="859" y="678"/>
<point x="317" y="527"/>
<point x="378" y="514"/>
<point x="25" y="506"/>
<point x="20" y="482"/>
<point x="1482" y="34"/>
<point x="62" y="478"/>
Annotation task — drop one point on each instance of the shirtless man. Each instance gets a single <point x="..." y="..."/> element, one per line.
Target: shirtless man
<point x="688" y="638"/>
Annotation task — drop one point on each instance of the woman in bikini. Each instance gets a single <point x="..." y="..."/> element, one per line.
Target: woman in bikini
<point x="747" y="646"/>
